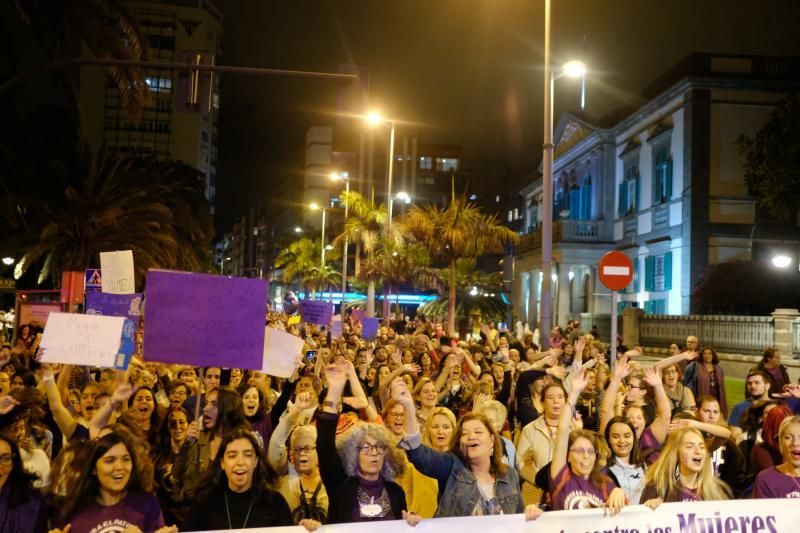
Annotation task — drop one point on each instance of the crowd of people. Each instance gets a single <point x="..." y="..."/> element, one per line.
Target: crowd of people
<point x="410" y="426"/>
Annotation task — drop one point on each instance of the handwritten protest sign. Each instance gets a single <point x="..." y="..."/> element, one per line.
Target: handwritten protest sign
<point x="102" y="303"/>
<point x="280" y="352"/>
<point x="204" y="320"/>
<point x="82" y="339"/>
<point x="316" y="312"/>
<point x="336" y="327"/>
<point x="357" y="316"/>
<point x="369" y="328"/>
<point x="117" y="268"/>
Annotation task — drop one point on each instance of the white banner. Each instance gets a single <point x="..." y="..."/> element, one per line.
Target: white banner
<point x="734" y="516"/>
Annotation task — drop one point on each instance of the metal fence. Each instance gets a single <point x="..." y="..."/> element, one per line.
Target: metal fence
<point x="732" y="334"/>
<point x="796" y="337"/>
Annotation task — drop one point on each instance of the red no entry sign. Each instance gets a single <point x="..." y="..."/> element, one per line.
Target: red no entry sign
<point x="615" y="270"/>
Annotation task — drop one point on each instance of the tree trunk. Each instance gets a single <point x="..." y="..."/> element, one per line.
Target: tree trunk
<point x="358" y="258"/>
<point x="451" y="300"/>
<point x="371" y="299"/>
<point x="387" y="299"/>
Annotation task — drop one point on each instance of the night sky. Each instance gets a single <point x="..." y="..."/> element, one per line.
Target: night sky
<point x="461" y="71"/>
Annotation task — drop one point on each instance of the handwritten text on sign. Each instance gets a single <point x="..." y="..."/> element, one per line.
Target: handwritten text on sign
<point x="117" y="269"/>
<point x="316" y="312"/>
<point x="204" y="320"/>
<point x="82" y="339"/>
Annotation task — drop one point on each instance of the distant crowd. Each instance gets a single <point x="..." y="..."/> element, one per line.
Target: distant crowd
<point x="412" y="425"/>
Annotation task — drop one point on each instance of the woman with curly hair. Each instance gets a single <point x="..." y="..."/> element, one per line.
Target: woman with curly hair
<point x="22" y="508"/>
<point x="358" y="469"/>
<point x="237" y="491"/>
<point x="108" y="490"/>
<point x="683" y="472"/>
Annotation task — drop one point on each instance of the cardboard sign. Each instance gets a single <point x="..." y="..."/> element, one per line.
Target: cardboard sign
<point x="76" y="339"/>
<point x="204" y="320"/>
<point x="369" y="328"/>
<point x="316" y="312"/>
<point x="105" y="304"/>
<point x="117" y="269"/>
<point x="336" y="327"/>
<point x="280" y="352"/>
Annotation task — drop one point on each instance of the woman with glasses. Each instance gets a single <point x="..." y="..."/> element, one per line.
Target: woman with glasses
<point x="577" y="481"/>
<point x="359" y="468"/>
<point x="22" y="508"/>
<point x="300" y="485"/>
<point x="680" y="395"/>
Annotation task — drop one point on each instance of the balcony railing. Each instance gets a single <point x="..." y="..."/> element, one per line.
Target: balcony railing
<point x="565" y="231"/>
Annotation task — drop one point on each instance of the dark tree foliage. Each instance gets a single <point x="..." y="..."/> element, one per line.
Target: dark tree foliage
<point x="746" y="288"/>
<point x="772" y="160"/>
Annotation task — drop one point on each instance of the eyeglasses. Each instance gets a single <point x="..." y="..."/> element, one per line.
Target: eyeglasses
<point x="372" y="449"/>
<point x="6" y="459"/>
<point x="303" y="449"/>
<point x="584" y="451"/>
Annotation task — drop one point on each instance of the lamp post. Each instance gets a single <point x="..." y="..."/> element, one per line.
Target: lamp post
<point x="8" y="261"/>
<point x="314" y="206"/>
<point x="221" y="265"/>
<point x="374" y="118"/>
<point x="344" y="176"/>
<point x="572" y="69"/>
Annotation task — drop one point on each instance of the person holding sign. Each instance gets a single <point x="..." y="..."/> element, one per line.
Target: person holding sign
<point x="576" y="474"/>
<point x="358" y="472"/>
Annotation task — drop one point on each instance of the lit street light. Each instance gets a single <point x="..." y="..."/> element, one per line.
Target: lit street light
<point x="298" y="229"/>
<point x="343" y="176"/>
<point x="571" y="69"/>
<point x="8" y="261"/>
<point x="403" y="197"/>
<point x="781" y="261"/>
<point x="221" y="265"/>
<point x="314" y="206"/>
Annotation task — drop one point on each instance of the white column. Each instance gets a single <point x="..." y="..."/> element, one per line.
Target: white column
<point x="533" y="299"/>
<point x="563" y="307"/>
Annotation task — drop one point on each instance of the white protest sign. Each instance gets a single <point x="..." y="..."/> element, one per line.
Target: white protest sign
<point x="280" y="352"/>
<point x="336" y="327"/>
<point x="90" y="340"/>
<point x="117" y="269"/>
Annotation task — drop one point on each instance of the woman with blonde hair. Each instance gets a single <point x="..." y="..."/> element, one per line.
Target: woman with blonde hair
<point x="426" y="395"/>
<point x="439" y="428"/>
<point x="683" y="472"/>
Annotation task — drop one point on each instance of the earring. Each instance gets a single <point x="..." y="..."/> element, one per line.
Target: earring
<point x="677" y="472"/>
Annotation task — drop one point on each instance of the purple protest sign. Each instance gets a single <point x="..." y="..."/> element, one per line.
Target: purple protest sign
<point x="107" y="304"/>
<point x="204" y="320"/>
<point x="369" y="328"/>
<point x="316" y="312"/>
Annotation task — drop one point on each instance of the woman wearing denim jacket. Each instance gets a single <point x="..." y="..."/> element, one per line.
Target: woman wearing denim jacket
<point x="472" y="477"/>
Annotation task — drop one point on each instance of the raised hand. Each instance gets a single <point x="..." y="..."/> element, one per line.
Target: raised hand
<point x="791" y="390"/>
<point x="412" y="368"/>
<point x="559" y="372"/>
<point x="622" y="369"/>
<point x="652" y="376"/>
<point x="336" y="374"/>
<point x="121" y="394"/>
<point x="303" y="401"/>
<point x="7" y="403"/>
<point x="580" y="344"/>
<point x="193" y="431"/>
<point x="578" y="381"/>
<point x="479" y="400"/>
<point x="355" y="402"/>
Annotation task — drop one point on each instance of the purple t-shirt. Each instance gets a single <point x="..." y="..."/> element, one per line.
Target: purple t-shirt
<point x="139" y="509"/>
<point x="649" y="446"/>
<point x="678" y="493"/>
<point x="574" y="492"/>
<point x="771" y="483"/>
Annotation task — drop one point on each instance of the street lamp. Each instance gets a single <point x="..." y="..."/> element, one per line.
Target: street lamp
<point x="314" y="206"/>
<point x="403" y="197"/>
<point x="571" y="69"/>
<point x="221" y="265"/>
<point x="781" y="261"/>
<point x="343" y="176"/>
<point x="298" y="229"/>
<point x="374" y="119"/>
<point x="8" y="261"/>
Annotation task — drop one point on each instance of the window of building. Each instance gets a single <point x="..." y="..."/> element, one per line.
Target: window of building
<point x="426" y="163"/>
<point x="658" y="272"/>
<point x="629" y="189"/>
<point x="425" y="180"/>
<point x="662" y="175"/>
<point x="446" y="164"/>
<point x="655" y="307"/>
<point x="633" y="286"/>
<point x="157" y="84"/>
<point x="203" y="135"/>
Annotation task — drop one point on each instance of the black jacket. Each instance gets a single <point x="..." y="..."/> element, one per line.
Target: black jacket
<point x="342" y="489"/>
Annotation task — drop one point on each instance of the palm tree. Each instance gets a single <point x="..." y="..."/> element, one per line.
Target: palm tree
<point x="397" y="263"/>
<point x="364" y="225"/>
<point x="460" y="230"/>
<point x="298" y="258"/>
<point x="158" y="210"/>
<point x="319" y="277"/>
<point x="105" y="26"/>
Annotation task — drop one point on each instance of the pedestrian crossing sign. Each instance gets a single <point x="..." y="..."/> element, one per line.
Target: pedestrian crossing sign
<point x="94" y="281"/>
